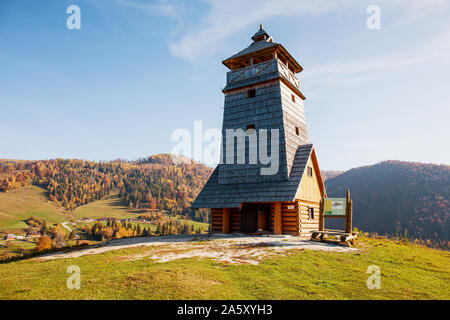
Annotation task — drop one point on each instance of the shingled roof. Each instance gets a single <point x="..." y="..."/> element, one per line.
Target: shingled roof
<point x="261" y="45"/>
<point x="215" y="195"/>
<point x="253" y="47"/>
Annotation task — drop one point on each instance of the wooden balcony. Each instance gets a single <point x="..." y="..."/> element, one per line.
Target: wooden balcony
<point x="263" y="68"/>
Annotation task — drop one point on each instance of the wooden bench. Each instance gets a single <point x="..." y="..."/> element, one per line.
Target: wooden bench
<point x="345" y="238"/>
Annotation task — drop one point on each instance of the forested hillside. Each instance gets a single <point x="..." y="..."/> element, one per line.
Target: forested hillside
<point x="390" y="197"/>
<point x="394" y="196"/>
<point x="154" y="182"/>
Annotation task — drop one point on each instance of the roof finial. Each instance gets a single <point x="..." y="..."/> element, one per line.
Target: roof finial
<point x="261" y="27"/>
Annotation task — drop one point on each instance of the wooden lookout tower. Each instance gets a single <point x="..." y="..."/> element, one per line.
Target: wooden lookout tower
<point x="263" y="92"/>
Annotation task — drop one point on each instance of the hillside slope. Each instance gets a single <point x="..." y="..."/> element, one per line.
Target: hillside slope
<point x="395" y="196"/>
<point x="408" y="272"/>
<point x="18" y="205"/>
<point x="156" y="182"/>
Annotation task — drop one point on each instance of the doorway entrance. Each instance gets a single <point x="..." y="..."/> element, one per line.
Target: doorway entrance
<point x="254" y="217"/>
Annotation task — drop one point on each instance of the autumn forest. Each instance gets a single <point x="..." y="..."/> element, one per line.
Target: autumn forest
<point x="153" y="182"/>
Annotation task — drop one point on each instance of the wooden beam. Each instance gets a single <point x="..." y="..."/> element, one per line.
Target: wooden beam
<point x="210" y="221"/>
<point x="321" y="218"/>
<point x="350" y="215"/>
<point x="226" y="220"/>
<point x="277" y="228"/>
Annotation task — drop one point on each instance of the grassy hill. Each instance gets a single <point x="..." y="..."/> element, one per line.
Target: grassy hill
<point x="25" y="200"/>
<point x="407" y="272"/>
<point x="157" y="182"/>
<point x="397" y="197"/>
<point x="18" y="205"/>
<point x="113" y="206"/>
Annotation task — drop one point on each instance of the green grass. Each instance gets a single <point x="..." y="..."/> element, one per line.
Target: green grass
<point x="196" y="224"/>
<point x="408" y="272"/>
<point x="18" y="205"/>
<point x="111" y="207"/>
<point x="15" y="245"/>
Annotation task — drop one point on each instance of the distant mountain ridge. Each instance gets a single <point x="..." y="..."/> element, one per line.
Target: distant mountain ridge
<point x="396" y="196"/>
<point x="328" y="174"/>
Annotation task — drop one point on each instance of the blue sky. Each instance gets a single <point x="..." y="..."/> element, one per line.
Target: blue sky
<point x="138" y="70"/>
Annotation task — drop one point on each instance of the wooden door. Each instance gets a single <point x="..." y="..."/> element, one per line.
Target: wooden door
<point x="264" y="217"/>
<point x="248" y="218"/>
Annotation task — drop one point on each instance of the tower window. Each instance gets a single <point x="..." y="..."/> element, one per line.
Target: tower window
<point x="293" y="98"/>
<point x="309" y="172"/>
<point x="311" y="213"/>
<point x="296" y="131"/>
<point x="251" y="93"/>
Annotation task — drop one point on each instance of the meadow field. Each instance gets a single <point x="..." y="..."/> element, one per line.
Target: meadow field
<point x="407" y="272"/>
<point x="18" y="205"/>
<point x="113" y="207"/>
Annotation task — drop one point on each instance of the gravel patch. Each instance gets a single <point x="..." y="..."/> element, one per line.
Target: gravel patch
<point x="233" y="249"/>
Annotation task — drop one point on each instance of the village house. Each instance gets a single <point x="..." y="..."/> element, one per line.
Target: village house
<point x="32" y="234"/>
<point x="10" y="236"/>
<point x="263" y="92"/>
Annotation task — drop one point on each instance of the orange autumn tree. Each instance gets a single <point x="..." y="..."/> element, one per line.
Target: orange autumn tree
<point x="43" y="243"/>
<point x="151" y="201"/>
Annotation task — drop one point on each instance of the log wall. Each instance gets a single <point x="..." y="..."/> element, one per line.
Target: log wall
<point x="289" y="218"/>
<point x="307" y="225"/>
<point x="216" y="220"/>
<point x="294" y="218"/>
<point x="234" y="219"/>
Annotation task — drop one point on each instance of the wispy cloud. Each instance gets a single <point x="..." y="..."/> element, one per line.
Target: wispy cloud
<point x="413" y="10"/>
<point x="348" y="72"/>
<point x="225" y="18"/>
<point x="161" y="8"/>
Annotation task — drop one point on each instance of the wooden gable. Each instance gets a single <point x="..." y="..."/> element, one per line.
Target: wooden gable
<point x="311" y="188"/>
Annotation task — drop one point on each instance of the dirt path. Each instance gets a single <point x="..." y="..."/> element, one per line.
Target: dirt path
<point x="64" y="224"/>
<point x="225" y="248"/>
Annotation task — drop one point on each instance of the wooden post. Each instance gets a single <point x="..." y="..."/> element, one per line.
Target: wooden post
<point x="348" y="213"/>
<point x="277" y="227"/>
<point x="321" y="217"/>
<point x="226" y="220"/>
<point x="210" y="221"/>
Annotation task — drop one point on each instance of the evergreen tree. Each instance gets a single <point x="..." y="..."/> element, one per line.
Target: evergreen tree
<point x="138" y="230"/>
